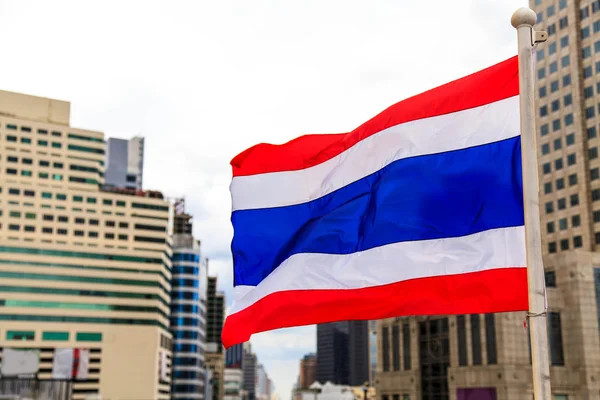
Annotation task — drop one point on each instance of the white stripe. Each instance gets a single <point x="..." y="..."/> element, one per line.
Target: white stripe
<point x="497" y="248"/>
<point x="463" y="129"/>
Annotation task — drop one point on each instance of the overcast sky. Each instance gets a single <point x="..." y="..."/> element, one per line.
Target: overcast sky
<point x="204" y="80"/>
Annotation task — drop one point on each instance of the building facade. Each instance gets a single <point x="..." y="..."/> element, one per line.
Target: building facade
<point x="249" y="368"/>
<point x="234" y="382"/>
<point x="372" y="352"/>
<point x="215" y="314"/>
<point x="125" y="162"/>
<point x="85" y="271"/>
<point x="488" y="356"/>
<point x="234" y="356"/>
<point x="343" y="353"/>
<point x="308" y="371"/>
<point x="188" y="312"/>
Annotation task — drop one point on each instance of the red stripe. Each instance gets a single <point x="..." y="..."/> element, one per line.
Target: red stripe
<point x="492" y="84"/>
<point x="75" y="363"/>
<point x="497" y="290"/>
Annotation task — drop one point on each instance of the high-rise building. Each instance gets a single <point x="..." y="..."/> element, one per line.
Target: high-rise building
<point x="488" y="356"/>
<point x="234" y="356"/>
<point x="214" y="349"/>
<point x="343" y="353"/>
<point x="372" y="352"/>
<point x="125" y="162"/>
<point x="234" y="382"/>
<point x="85" y="271"/>
<point x="188" y="311"/>
<point x="262" y="383"/>
<point x="249" y="367"/>
<point x="308" y="371"/>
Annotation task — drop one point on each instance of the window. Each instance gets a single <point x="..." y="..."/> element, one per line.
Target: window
<point x="94" y="222"/>
<point x="595" y="194"/>
<point x="587" y="72"/>
<point x="79" y="220"/>
<point x="555" y="339"/>
<point x="571" y="159"/>
<point x="86" y="138"/>
<point x="385" y="349"/>
<point x="591" y="132"/>
<point x="550" y="11"/>
<point x="561" y="204"/>
<point x="570" y="139"/>
<point x="42" y="132"/>
<point x="557" y="144"/>
<point x="93" y="234"/>
<point x="552" y="247"/>
<point x="550" y="277"/>
<point x="57" y="134"/>
<point x="577" y="242"/>
<point x="110" y="223"/>
<point x="27" y="161"/>
<point x="47" y="230"/>
<point x="553" y="67"/>
<point x="549" y="207"/>
<point x="476" y="339"/>
<point x="551" y="31"/>
<point x="12" y="159"/>
<point x="78" y="198"/>
<point x="540" y="16"/>
<point x="29" y="228"/>
<point x="462" y="340"/>
<point x="586" y="52"/>
<point x="597" y="46"/>
<point x="406" y="346"/>
<point x="553" y="86"/>
<point x="396" y="347"/>
<point x="91" y="200"/>
<point x="596" y="216"/>
<point x="30" y="215"/>
<point x="556" y="125"/>
<point x="574" y="200"/>
<point x="120" y="203"/>
<point x="58" y="165"/>
<point x="550" y="227"/>
<point x="555" y="105"/>
<point x="543" y="111"/>
<point x="20" y="335"/>
<point x="61" y="231"/>
<point x="85" y="149"/>
<point x="585" y="32"/>
<point x="564" y="244"/>
<point x="42" y="142"/>
<point x="25" y="172"/>
<point x="562" y="224"/>
<point x="123" y="225"/>
<point x="594" y="174"/>
<point x="564" y="41"/>
<point x="490" y="339"/>
<point x="13" y="227"/>
<point x="596" y="26"/>
<point x="566" y="80"/>
<point x="48" y="217"/>
<point x="123" y="237"/>
<point x="88" y="337"/>
<point x="562" y="4"/>
<point x="44" y="163"/>
<point x="56" y="145"/>
<point x="63" y="218"/>
<point x="563" y="22"/>
<point x="585" y="12"/>
<point x="595" y="8"/>
<point x="11" y="127"/>
<point x="78" y="233"/>
<point x="545" y="149"/>
<point x="109" y="235"/>
<point x="55" y="336"/>
<point x="150" y="206"/>
<point x="542" y="91"/>
<point x="560" y="183"/>
<point x="11" y="171"/>
<point x="107" y="202"/>
<point x="588" y="92"/>
<point x="569" y="119"/>
<point x="540" y="54"/>
<point x="544" y="130"/>
<point x="558" y="164"/>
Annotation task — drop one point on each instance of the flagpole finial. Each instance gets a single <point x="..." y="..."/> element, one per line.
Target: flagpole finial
<point x="523" y="16"/>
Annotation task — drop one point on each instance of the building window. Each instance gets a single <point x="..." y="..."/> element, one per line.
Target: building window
<point x="490" y="339"/>
<point x="546" y="168"/>
<point x="585" y="12"/>
<point x="585" y="32"/>
<point x="569" y="119"/>
<point x="55" y="336"/>
<point x="562" y="224"/>
<point x="385" y="349"/>
<point x="544" y="130"/>
<point x="552" y="247"/>
<point x="572" y="179"/>
<point x="553" y="86"/>
<point x="556" y="125"/>
<point x="541" y="73"/>
<point x="476" y="339"/>
<point x="462" y="339"/>
<point x="549" y="207"/>
<point x="555" y="105"/>
<point x="545" y="149"/>
<point x="593" y="153"/>
<point x="553" y="67"/>
<point x="577" y="242"/>
<point x="20" y="335"/>
<point x="550" y="227"/>
<point x="406" y="346"/>
<point x="566" y="80"/>
<point x="596" y="216"/>
<point x="547" y="187"/>
<point x="558" y="164"/>
<point x="555" y="339"/>
<point x="564" y="244"/>
<point x="561" y="204"/>
<point x="396" y="347"/>
<point x="543" y="111"/>
<point x="591" y="132"/>
<point x="568" y="100"/>
<point x="550" y="11"/>
<point x="565" y="61"/>
<point x="551" y="31"/>
<point x="595" y="194"/>
<point x="88" y="337"/>
<point x="586" y="52"/>
<point x="563" y="22"/>
<point x="594" y="174"/>
<point x="571" y="159"/>
<point x="542" y="92"/>
<point x="560" y="183"/>
<point x="574" y="200"/>
<point x="550" y="277"/>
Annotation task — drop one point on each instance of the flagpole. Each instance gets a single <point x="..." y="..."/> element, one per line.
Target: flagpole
<point x="523" y="20"/>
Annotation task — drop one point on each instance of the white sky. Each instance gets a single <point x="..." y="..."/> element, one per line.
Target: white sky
<point x="203" y="80"/>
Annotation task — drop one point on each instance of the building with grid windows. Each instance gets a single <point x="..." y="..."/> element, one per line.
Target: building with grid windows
<point x="488" y="356"/>
<point x="188" y="312"/>
<point x="82" y="268"/>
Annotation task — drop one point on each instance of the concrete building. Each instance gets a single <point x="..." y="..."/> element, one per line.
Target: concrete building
<point x="125" y="162"/>
<point x="262" y="383"/>
<point x="215" y="356"/>
<point x="249" y="368"/>
<point x="343" y="352"/>
<point x="84" y="270"/>
<point x="234" y="356"/>
<point x="188" y="312"/>
<point x="488" y="356"/>
<point x="234" y="382"/>
<point x="308" y="371"/>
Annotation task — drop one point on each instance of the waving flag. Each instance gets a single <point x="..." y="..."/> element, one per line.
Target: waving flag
<point x="419" y="211"/>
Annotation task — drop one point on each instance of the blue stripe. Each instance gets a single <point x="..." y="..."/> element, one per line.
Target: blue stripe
<point x="435" y="196"/>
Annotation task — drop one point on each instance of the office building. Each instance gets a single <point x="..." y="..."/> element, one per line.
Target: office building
<point x="215" y="357"/>
<point x="234" y="382"/>
<point x="188" y="311"/>
<point x="249" y="367"/>
<point x="85" y="271"/>
<point x="125" y="162"/>
<point x="308" y="371"/>
<point x="262" y="383"/>
<point x="234" y="356"/>
<point x="343" y="352"/>
<point x="488" y="356"/>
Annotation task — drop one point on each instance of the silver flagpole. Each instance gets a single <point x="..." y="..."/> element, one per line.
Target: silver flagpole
<point x="523" y="20"/>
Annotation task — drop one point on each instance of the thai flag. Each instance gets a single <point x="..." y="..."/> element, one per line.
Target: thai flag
<point x="418" y="211"/>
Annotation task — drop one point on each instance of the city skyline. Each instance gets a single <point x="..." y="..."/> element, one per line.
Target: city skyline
<point x="139" y="94"/>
